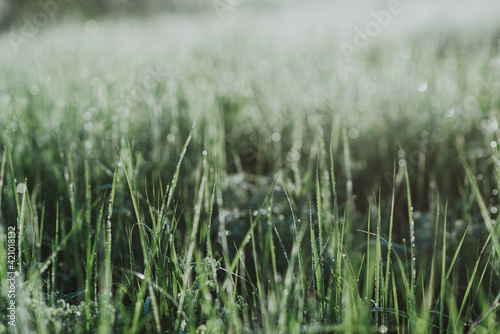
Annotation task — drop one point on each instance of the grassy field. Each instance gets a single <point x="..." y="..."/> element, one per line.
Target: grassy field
<point x="189" y="175"/>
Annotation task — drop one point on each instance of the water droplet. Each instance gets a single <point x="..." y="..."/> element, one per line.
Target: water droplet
<point x="88" y="127"/>
<point x="204" y="152"/>
<point x="34" y="90"/>
<point x="276" y="136"/>
<point x="361" y="164"/>
<point x="422" y="87"/>
<point x="171" y="137"/>
<point x="312" y="120"/>
<point x="382" y="329"/>
<point x="493" y="144"/>
<point x="21" y="188"/>
<point x="353" y="133"/>
<point x="295" y="155"/>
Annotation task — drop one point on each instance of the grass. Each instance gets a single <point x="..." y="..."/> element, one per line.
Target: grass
<point x="249" y="188"/>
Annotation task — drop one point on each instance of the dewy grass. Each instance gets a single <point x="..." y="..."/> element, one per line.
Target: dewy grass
<point x="103" y="246"/>
<point x="105" y="319"/>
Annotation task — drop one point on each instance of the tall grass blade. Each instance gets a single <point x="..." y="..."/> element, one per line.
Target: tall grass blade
<point x="105" y="321"/>
<point x="413" y="277"/>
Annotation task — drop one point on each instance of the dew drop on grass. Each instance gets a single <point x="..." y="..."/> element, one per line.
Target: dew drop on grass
<point x="21" y="188"/>
<point x="296" y="157"/>
<point x="361" y="164"/>
<point x="493" y="144"/>
<point x="109" y="134"/>
<point x="34" y="90"/>
<point x="382" y="329"/>
<point x="422" y="87"/>
<point x="204" y="152"/>
<point x="276" y="136"/>
<point x="88" y="126"/>
<point x="353" y="133"/>
<point x="312" y="120"/>
<point x="87" y="115"/>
